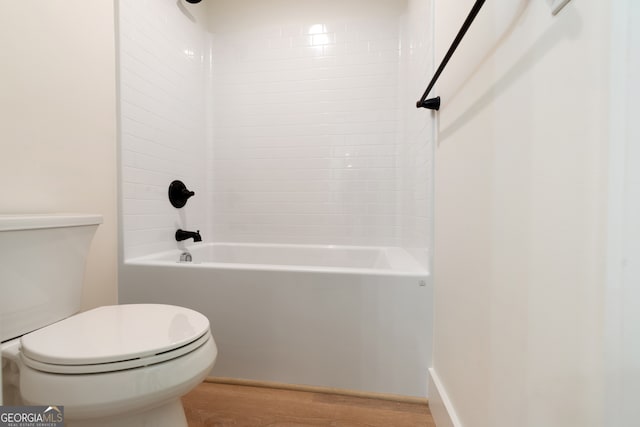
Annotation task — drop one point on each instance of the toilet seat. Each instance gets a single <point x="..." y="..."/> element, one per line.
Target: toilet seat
<point x="115" y="338"/>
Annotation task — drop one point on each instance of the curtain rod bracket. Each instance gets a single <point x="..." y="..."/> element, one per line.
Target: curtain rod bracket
<point x="431" y="103"/>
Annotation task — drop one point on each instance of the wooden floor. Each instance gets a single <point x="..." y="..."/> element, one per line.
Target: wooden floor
<point x="212" y="404"/>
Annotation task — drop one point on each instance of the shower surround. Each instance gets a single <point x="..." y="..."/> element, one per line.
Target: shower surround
<point x="294" y="123"/>
<point x="305" y="126"/>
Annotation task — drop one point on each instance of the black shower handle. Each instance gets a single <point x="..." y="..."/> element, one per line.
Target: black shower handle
<point x="179" y="194"/>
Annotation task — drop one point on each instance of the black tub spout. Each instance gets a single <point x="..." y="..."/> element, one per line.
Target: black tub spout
<point x="184" y="235"/>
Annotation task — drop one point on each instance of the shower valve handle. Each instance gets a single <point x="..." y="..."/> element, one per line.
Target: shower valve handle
<point x="178" y="194"/>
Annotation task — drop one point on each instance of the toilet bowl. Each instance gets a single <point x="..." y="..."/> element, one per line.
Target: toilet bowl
<point x="122" y="365"/>
<point x="114" y="365"/>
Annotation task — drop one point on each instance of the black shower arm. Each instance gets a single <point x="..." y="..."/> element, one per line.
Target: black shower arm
<point x="434" y="103"/>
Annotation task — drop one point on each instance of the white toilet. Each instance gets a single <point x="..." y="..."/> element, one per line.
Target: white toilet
<point x="125" y="365"/>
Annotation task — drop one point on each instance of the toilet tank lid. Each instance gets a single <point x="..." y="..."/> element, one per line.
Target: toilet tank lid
<point x="15" y="222"/>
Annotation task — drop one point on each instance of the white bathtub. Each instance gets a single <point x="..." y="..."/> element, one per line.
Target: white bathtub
<point x="347" y="317"/>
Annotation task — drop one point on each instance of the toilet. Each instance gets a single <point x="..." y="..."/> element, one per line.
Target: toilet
<point x="122" y="365"/>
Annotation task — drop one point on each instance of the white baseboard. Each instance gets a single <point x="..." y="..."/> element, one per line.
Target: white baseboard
<point x="441" y="408"/>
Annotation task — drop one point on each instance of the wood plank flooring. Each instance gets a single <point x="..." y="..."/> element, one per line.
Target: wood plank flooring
<point x="222" y="405"/>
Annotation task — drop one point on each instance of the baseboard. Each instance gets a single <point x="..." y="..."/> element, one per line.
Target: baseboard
<point x="316" y="389"/>
<point x="441" y="408"/>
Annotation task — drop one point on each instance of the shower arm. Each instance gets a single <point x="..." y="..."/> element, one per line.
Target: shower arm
<point x="434" y="103"/>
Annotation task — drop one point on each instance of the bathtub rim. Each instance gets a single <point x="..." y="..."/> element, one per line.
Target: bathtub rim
<point x="152" y="260"/>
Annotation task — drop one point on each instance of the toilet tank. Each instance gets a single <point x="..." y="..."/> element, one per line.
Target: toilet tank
<point x="42" y="262"/>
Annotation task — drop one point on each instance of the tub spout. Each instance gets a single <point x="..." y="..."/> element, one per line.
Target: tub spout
<point x="184" y="235"/>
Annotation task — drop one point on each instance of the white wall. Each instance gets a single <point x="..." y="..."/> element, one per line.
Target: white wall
<point x="163" y="59"/>
<point x="305" y="121"/>
<point x="58" y="127"/>
<point x="519" y="214"/>
<point x="622" y="297"/>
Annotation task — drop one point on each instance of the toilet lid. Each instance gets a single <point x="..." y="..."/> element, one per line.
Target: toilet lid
<point x="115" y="334"/>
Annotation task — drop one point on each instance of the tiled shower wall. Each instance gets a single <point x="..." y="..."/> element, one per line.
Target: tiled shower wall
<point x="416" y="145"/>
<point x="162" y="47"/>
<point x="306" y="124"/>
<point x="292" y="124"/>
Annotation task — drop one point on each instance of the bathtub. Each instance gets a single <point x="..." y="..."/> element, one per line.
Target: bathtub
<point x="357" y="318"/>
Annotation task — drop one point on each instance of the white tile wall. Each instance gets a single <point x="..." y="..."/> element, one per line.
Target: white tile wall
<point x="162" y="75"/>
<point x="415" y="150"/>
<point x="298" y="130"/>
<point x="305" y="131"/>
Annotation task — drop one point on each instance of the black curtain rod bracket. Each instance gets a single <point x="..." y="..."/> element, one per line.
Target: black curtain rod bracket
<point x="434" y="103"/>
